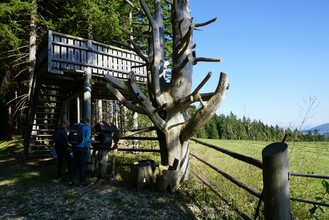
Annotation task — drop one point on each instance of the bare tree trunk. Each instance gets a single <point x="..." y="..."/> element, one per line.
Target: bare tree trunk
<point x="33" y="46"/>
<point x="167" y="103"/>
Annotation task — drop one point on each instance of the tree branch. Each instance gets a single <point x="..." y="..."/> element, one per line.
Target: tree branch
<point x="147" y="12"/>
<point x="138" y="131"/>
<point x="147" y="106"/>
<point x="194" y="96"/>
<point x="203" y="59"/>
<point x="134" y="48"/>
<point x="123" y="45"/>
<point x="185" y="41"/>
<point x="123" y="85"/>
<point x="133" y="6"/>
<point x="124" y="101"/>
<point x="205" y="23"/>
<point x="132" y="34"/>
<point x="202" y="116"/>
<point x="182" y="64"/>
<point x="138" y="51"/>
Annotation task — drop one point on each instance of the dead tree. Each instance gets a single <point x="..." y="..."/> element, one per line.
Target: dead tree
<point x="166" y="103"/>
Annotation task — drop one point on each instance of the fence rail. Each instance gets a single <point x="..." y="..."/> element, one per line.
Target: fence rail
<point x="309" y="175"/>
<point x="270" y="155"/>
<point x="229" y="177"/>
<point x="237" y="156"/>
<point x="236" y="209"/>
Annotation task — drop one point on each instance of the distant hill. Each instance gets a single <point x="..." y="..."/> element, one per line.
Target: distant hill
<point x="322" y="129"/>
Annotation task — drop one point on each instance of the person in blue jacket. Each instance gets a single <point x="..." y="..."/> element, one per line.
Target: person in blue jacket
<point x="80" y="154"/>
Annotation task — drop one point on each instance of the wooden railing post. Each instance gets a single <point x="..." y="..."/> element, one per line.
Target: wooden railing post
<point x="276" y="183"/>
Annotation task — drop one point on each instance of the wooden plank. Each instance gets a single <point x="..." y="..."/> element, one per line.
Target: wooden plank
<point x="138" y="150"/>
<point x="319" y="176"/>
<point x="241" y="157"/>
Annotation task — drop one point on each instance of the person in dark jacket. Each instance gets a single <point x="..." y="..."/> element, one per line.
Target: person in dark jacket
<point x="62" y="149"/>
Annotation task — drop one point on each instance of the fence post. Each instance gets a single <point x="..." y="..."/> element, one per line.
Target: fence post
<point x="276" y="183"/>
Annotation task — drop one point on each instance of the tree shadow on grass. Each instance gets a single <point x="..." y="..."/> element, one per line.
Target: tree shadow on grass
<point x="25" y="183"/>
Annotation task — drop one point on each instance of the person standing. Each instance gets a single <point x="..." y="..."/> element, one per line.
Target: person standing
<point x="62" y="149"/>
<point x="80" y="154"/>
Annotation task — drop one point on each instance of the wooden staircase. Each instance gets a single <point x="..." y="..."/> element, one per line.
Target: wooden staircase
<point x="46" y="118"/>
<point x="62" y="61"/>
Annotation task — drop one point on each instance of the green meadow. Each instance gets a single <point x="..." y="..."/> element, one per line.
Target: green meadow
<point x="304" y="157"/>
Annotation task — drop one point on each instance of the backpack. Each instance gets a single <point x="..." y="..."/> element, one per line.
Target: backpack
<point x="75" y="134"/>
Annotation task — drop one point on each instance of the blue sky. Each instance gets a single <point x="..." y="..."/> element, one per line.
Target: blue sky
<point x="275" y="53"/>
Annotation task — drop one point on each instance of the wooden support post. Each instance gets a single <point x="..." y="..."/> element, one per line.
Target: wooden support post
<point x="93" y="160"/>
<point x="115" y="152"/>
<point x="276" y="182"/>
<point x="103" y="155"/>
<point x="87" y="94"/>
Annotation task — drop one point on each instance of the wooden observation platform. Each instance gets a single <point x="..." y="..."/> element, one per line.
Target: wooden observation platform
<point x="68" y="67"/>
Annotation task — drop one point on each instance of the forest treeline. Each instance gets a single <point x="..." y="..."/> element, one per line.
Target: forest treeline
<point x="231" y="127"/>
<point x="24" y="24"/>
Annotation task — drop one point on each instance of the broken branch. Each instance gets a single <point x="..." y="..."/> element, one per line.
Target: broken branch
<point x="124" y="101"/>
<point x="182" y="64"/>
<point x="204" y="59"/>
<point x="206" y="23"/>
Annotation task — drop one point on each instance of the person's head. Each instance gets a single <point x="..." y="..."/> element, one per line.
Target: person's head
<point x="64" y="124"/>
<point x="86" y="120"/>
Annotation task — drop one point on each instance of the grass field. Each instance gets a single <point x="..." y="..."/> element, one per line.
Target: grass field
<point x="312" y="158"/>
<point x="18" y="179"/>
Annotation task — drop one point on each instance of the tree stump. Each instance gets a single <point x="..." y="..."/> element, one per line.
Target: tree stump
<point x="142" y="174"/>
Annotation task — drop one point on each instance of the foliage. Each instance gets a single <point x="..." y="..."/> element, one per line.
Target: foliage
<point x="14" y="17"/>
<point x="323" y="199"/>
<point x="232" y="128"/>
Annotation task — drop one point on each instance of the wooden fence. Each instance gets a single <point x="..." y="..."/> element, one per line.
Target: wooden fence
<point x="276" y="188"/>
<point x="276" y="191"/>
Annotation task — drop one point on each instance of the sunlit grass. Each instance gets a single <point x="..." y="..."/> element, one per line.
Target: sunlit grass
<point x="304" y="157"/>
<point x="8" y="182"/>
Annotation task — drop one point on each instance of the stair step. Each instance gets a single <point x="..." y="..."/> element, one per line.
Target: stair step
<point x="42" y="135"/>
<point x="47" y="107"/>
<point x="44" y="130"/>
<point x="51" y="125"/>
<point x="39" y="148"/>
<point x="36" y="138"/>
<point x="48" y="101"/>
<point x="46" y="119"/>
<point x="50" y="96"/>
<point x="46" y="113"/>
